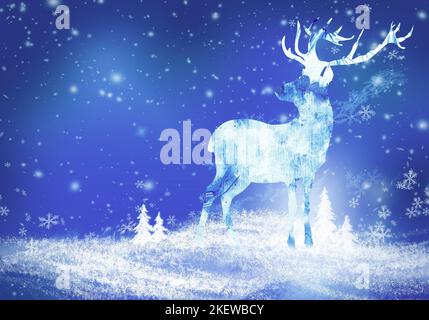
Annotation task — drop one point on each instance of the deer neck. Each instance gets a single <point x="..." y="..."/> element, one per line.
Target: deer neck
<point x="315" y="115"/>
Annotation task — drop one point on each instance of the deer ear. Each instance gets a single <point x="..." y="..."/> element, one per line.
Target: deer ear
<point x="326" y="76"/>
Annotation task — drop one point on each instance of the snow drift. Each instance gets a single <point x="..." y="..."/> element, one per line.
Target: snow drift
<point x="255" y="264"/>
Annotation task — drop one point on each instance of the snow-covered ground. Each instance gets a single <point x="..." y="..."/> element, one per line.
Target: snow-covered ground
<point x="255" y="264"/>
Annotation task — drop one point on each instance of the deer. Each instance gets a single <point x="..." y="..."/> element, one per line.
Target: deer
<point x="249" y="151"/>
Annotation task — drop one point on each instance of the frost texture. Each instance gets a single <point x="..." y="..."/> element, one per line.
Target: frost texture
<point x="257" y="265"/>
<point x="356" y="109"/>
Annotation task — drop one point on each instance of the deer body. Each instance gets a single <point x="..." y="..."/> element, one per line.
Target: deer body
<point x="249" y="151"/>
<point x="262" y="153"/>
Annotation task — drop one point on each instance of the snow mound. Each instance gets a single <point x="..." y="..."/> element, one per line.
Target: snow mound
<point x="255" y="263"/>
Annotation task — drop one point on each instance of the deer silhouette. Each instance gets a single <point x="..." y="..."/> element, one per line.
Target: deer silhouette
<point x="249" y="151"/>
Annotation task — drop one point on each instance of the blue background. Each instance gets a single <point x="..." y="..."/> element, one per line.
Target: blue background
<point x="170" y="55"/>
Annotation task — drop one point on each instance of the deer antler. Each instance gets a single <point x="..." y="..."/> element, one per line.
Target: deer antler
<point x="390" y="38"/>
<point x="298" y="35"/>
<point x="335" y="38"/>
<point x="288" y="52"/>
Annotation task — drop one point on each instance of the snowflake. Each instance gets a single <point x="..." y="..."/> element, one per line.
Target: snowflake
<point x="171" y="220"/>
<point x="411" y="212"/>
<point x="354" y="202"/>
<point x="409" y="179"/>
<point x="126" y="227"/>
<point x="426" y="192"/>
<point x="400" y="185"/>
<point x="366" y="113"/>
<point x="335" y="50"/>
<point x="7" y="164"/>
<point x="378" y="233"/>
<point x="417" y="203"/>
<point x="48" y="221"/>
<point x="27" y="217"/>
<point x="361" y="182"/>
<point x="384" y="212"/>
<point x="425" y="211"/>
<point x="22" y="231"/>
<point x="139" y="184"/>
<point x="373" y="176"/>
<point x="291" y="23"/>
<point x="394" y="54"/>
<point x="4" y="211"/>
<point x="192" y="215"/>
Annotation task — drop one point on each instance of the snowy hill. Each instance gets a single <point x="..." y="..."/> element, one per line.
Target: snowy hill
<point x="255" y="264"/>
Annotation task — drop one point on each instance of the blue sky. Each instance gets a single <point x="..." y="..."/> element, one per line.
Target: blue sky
<point x="81" y="110"/>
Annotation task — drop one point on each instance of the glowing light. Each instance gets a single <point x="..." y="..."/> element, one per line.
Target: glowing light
<point x="148" y="185"/>
<point x="38" y="174"/>
<point x="422" y="15"/>
<point x="366" y="185"/>
<point x="387" y="116"/>
<point x="215" y="15"/>
<point x="141" y="132"/>
<point x="75" y="186"/>
<point x="73" y="89"/>
<point x="267" y="90"/>
<point x="53" y="3"/>
<point x="422" y="125"/>
<point x="75" y="32"/>
<point x="283" y="118"/>
<point x="377" y="80"/>
<point x="116" y="77"/>
<point x="209" y="94"/>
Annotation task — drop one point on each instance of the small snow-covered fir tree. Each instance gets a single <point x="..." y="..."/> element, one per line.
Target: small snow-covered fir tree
<point x="324" y="228"/>
<point x="159" y="232"/>
<point x="346" y="237"/>
<point x="143" y="229"/>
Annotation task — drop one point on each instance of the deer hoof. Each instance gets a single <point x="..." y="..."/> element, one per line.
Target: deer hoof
<point x="291" y="242"/>
<point x="308" y="242"/>
<point x="199" y="235"/>
<point x="231" y="234"/>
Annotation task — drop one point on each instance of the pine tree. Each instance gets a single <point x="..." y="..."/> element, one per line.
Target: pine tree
<point x="324" y="227"/>
<point x="159" y="232"/>
<point x="143" y="229"/>
<point x="346" y="237"/>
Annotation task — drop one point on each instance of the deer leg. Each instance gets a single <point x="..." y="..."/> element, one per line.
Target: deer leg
<point x="292" y="208"/>
<point x="307" y="228"/>
<point x="235" y="189"/>
<point x="212" y="193"/>
<point x="226" y="204"/>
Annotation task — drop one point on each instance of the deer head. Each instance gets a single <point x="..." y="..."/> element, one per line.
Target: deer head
<point x="319" y="71"/>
